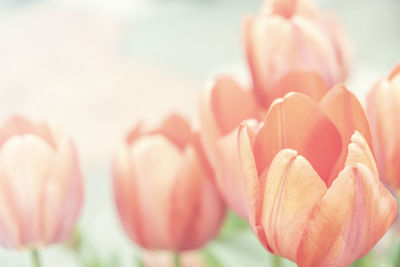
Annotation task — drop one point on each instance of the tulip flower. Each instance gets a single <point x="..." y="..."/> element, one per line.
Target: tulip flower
<point x="312" y="186"/>
<point x="293" y="35"/>
<point x="41" y="188"/>
<point x="384" y="114"/>
<point x="223" y="106"/>
<point x="164" y="188"/>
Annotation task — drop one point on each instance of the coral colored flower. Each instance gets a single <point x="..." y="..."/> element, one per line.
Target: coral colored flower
<point x="293" y="35"/>
<point x="383" y="108"/>
<point x="41" y="187"/>
<point x="223" y="106"/>
<point x="312" y="187"/>
<point x="164" y="189"/>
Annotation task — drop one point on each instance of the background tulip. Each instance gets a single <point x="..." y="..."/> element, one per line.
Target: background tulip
<point x="293" y="35"/>
<point x="164" y="188"/>
<point x="383" y="110"/>
<point x="313" y="191"/>
<point x="41" y="188"/>
<point x="223" y="106"/>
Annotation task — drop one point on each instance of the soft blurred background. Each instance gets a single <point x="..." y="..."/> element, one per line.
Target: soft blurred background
<point x="98" y="66"/>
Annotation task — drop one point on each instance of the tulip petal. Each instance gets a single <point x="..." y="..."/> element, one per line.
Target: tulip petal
<point x="226" y="97"/>
<point x="220" y="119"/>
<point x="353" y="215"/>
<point x="19" y="125"/>
<point x="197" y="209"/>
<point x="254" y="193"/>
<point x="185" y="199"/>
<point x="359" y="152"/>
<point x="176" y="129"/>
<point x="134" y="133"/>
<point x="229" y="174"/>
<point x="346" y="112"/>
<point x="62" y="194"/>
<point x="292" y="189"/>
<point x="297" y="122"/>
<point x="289" y="8"/>
<point x="383" y="110"/>
<point x="25" y="160"/>
<point x="307" y="82"/>
<point x="395" y="71"/>
<point x="298" y="44"/>
<point x="343" y="46"/>
<point x="126" y="196"/>
<point x="247" y="33"/>
<point x="145" y="153"/>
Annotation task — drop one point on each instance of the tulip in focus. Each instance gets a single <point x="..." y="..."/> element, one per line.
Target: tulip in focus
<point x="223" y="106"/>
<point x="383" y="108"/>
<point x="291" y="46"/>
<point x="293" y="35"/>
<point x="41" y="184"/>
<point x="313" y="190"/>
<point x="164" y="188"/>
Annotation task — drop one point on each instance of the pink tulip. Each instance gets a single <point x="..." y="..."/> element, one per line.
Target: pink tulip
<point x="312" y="187"/>
<point x="223" y="106"/>
<point x="383" y="106"/>
<point x="293" y="35"/>
<point x="164" y="188"/>
<point x="41" y="184"/>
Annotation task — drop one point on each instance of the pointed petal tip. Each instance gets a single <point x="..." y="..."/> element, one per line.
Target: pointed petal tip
<point x="395" y="71"/>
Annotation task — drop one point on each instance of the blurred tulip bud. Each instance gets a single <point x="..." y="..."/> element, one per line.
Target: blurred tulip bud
<point x="223" y="106"/>
<point x="41" y="184"/>
<point x="312" y="187"/>
<point x="293" y="35"/>
<point x="383" y="107"/>
<point x="164" y="188"/>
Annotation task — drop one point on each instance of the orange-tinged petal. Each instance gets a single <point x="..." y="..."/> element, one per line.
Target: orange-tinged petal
<point x="134" y="133"/>
<point x="298" y="45"/>
<point x="253" y="186"/>
<point x="353" y="215"/>
<point x="383" y="109"/>
<point x="392" y="166"/>
<point x="196" y="209"/>
<point x="145" y="153"/>
<point x="297" y="122"/>
<point x="229" y="176"/>
<point x="231" y="104"/>
<point x="289" y="8"/>
<point x="126" y="196"/>
<point x="359" y="152"/>
<point x="307" y="82"/>
<point x="176" y="129"/>
<point x="220" y="118"/>
<point x="346" y="112"/>
<point x="395" y="71"/>
<point x="292" y="189"/>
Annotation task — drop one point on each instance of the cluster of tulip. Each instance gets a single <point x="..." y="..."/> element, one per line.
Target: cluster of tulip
<point x="292" y="153"/>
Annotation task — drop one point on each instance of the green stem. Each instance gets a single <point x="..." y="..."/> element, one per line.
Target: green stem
<point x="35" y="258"/>
<point x="276" y="261"/>
<point x="176" y="260"/>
